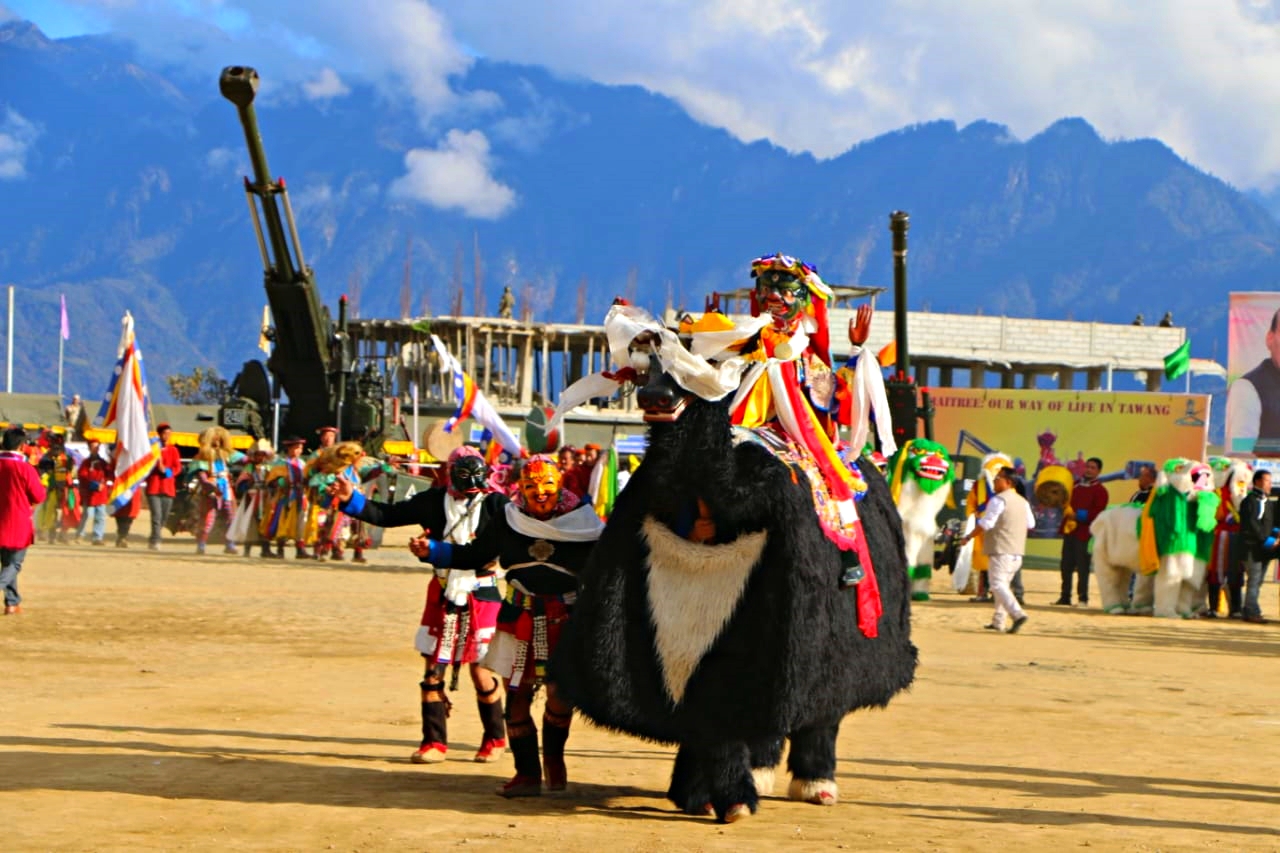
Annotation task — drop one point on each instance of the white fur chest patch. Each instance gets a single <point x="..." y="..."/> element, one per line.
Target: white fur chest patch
<point x="694" y="589"/>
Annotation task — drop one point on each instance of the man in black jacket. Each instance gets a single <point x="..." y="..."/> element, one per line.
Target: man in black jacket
<point x="461" y="613"/>
<point x="1258" y="535"/>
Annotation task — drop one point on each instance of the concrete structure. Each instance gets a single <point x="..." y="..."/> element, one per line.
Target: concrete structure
<point x="521" y="364"/>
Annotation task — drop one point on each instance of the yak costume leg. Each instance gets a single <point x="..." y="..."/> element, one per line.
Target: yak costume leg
<point x="812" y="763"/>
<point x="727" y="767"/>
<point x="689" y="789"/>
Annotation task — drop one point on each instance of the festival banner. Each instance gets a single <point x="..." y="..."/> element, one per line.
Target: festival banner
<point x="1253" y="374"/>
<point x="1045" y="432"/>
<point x="126" y="406"/>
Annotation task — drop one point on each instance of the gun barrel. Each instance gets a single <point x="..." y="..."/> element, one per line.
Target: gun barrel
<point x="239" y="85"/>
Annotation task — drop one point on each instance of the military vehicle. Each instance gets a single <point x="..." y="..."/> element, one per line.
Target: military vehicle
<point x="312" y="360"/>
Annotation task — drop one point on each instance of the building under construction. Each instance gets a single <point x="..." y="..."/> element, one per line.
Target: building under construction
<point x="521" y="364"/>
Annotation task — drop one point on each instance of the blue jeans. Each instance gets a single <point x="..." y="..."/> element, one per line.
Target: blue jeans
<point x="99" y="515"/>
<point x="10" y="564"/>
<point x="1253" y="570"/>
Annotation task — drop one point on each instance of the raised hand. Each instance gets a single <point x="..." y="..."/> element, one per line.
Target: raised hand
<point x="341" y="488"/>
<point x="860" y="325"/>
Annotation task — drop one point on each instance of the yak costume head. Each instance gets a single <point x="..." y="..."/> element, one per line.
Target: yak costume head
<point x="468" y="472"/>
<point x="1053" y="486"/>
<point x="1232" y="477"/>
<point x="985" y="486"/>
<point x="540" y="491"/>
<point x="1186" y="476"/>
<point x="926" y="462"/>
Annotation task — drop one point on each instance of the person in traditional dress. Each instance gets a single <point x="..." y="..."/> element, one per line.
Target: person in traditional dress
<point x="326" y="525"/>
<point x="60" y="510"/>
<point x="542" y="539"/>
<point x="285" y="517"/>
<point x="214" y="493"/>
<point x="461" y="612"/>
<point x="251" y="494"/>
<point x="790" y="386"/>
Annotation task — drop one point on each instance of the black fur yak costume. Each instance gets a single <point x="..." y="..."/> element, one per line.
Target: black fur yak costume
<point x="730" y="646"/>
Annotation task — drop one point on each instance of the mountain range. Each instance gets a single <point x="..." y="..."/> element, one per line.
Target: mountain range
<point x="122" y="187"/>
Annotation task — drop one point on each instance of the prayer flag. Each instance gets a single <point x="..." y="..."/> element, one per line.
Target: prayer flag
<point x="888" y="354"/>
<point x="473" y="404"/>
<point x="126" y="406"/>
<point x="1178" y="362"/>
<point x="66" y="326"/>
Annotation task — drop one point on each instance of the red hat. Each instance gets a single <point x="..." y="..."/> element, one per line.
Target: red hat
<point x="161" y="427"/>
<point x="324" y="429"/>
<point x="292" y="440"/>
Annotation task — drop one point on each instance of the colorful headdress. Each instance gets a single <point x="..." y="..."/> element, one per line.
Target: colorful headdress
<point x="818" y="295"/>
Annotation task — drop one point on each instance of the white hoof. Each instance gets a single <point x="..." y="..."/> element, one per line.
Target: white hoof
<point x="764" y="779"/>
<point x="820" y="792"/>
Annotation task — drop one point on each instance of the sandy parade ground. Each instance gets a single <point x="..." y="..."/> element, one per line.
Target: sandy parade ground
<point x="163" y="701"/>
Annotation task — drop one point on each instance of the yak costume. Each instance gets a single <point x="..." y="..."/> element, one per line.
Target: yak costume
<point x="712" y="613"/>
<point x="461" y="612"/>
<point x="542" y="539"/>
<point x="1166" y="543"/>
<point x="920" y="481"/>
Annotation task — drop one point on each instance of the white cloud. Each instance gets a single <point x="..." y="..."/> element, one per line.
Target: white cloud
<point x="326" y="84"/>
<point x="17" y="135"/>
<point x="821" y="75"/>
<point x="809" y="75"/>
<point x="455" y="176"/>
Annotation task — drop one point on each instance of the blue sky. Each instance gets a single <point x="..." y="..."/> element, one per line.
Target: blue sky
<point x="808" y="75"/>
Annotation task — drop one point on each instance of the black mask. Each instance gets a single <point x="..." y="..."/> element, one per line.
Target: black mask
<point x="468" y="474"/>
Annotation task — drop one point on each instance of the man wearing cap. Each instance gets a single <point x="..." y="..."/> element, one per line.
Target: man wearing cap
<point x="160" y="484"/>
<point x="95" y="477"/>
<point x="286" y="516"/>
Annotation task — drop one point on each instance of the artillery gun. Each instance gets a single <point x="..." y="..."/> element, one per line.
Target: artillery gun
<point x="312" y="360"/>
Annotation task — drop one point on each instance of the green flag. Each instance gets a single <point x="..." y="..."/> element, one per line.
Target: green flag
<point x="1178" y="362"/>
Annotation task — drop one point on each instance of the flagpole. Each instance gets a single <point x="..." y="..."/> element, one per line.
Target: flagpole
<point x="60" y="343"/>
<point x="8" y="374"/>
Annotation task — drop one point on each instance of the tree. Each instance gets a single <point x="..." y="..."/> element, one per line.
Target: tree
<point x="202" y="385"/>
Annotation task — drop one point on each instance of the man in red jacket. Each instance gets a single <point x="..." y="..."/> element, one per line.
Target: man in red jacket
<point x="1088" y="499"/>
<point x="95" y="477"/>
<point x="160" y="485"/>
<point x="20" y="490"/>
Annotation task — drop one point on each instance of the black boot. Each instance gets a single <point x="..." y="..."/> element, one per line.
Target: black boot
<point x="435" y="729"/>
<point x="555" y="733"/>
<point x="495" y="730"/>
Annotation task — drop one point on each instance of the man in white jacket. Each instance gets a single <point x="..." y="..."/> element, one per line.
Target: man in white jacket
<point x="1006" y="521"/>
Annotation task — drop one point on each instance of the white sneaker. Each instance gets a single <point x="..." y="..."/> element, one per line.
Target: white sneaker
<point x="1082" y="605"/>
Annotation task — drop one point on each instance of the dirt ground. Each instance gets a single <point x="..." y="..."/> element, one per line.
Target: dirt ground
<point x="173" y="702"/>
